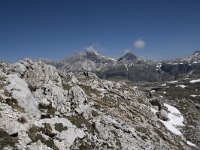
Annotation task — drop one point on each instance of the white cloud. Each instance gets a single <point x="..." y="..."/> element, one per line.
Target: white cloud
<point x="96" y="47"/>
<point x="90" y="48"/>
<point x="139" y="43"/>
<point x="127" y="51"/>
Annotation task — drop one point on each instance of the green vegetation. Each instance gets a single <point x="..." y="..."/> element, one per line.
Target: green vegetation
<point x="22" y="120"/>
<point x="7" y="93"/>
<point x="77" y="120"/>
<point x="178" y="92"/>
<point x="94" y="113"/>
<point x="34" y="135"/>
<point x="2" y="84"/>
<point x="118" y="143"/>
<point x="65" y="78"/>
<point x="47" y="130"/>
<point x="88" y="90"/>
<point x="108" y="101"/>
<point x="160" y="134"/>
<point x="14" y="104"/>
<point x="2" y="78"/>
<point x="65" y="86"/>
<point x="84" y="144"/>
<point x="141" y="129"/>
<point x="7" y="140"/>
<point x="140" y="100"/>
<point x="144" y="132"/>
<point x="165" y="138"/>
<point x="59" y="127"/>
<point x="1" y="99"/>
<point x="174" y="92"/>
<point x="47" y="108"/>
<point x="186" y="108"/>
<point x="32" y="88"/>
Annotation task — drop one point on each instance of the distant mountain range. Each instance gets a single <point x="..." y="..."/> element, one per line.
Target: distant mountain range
<point x="129" y="67"/>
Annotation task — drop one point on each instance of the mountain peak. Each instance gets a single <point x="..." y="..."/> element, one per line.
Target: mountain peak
<point x="93" y="55"/>
<point x="91" y="51"/>
<point x="196" y="53"/>
<point x="128" y="57"/>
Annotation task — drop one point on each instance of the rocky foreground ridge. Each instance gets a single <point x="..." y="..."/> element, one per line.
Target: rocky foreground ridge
<point x="43" y="108"/>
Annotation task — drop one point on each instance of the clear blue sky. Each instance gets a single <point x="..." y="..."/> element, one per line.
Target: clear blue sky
<point x="56" y="28"/>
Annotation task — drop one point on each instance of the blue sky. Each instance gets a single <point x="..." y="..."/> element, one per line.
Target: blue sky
<point x="54" y="29"/>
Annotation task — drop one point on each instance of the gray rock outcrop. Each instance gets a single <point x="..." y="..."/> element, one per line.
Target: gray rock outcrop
<point x="42" y="108"/>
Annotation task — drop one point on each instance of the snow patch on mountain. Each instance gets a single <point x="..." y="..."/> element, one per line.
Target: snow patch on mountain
<point x="195" y="81"/>
<point x="171" y="82"/>
<point x="182" y="86"/>
<point x="175" y="120"/>
<point x="191" y="144"/>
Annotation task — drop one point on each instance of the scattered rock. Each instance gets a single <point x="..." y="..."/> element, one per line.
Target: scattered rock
<point x="162" y="115"/>
<point x="51" y="109"/>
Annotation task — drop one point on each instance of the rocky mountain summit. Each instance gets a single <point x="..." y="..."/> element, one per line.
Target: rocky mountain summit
<point x="128" y="57"/>
<point x="183" y="66"/>
<point x="194" y="58"/>
<point x="88" y="60"/>
<point x="42" y="107"/>
<point x="128" y="67"/>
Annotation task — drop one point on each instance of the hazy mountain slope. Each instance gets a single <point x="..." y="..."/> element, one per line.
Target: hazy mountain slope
<point x="88" y="61"/>
<point x="133" y="68"/>
<point x="181" y="66"/>
<point x="130" y="67"/>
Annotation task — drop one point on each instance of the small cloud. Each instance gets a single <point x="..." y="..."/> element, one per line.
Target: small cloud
<point x="94" y="47"/>
<point x="139" y="43"/>
<point x="127" y="51"/>
<point x="90" y="48"/>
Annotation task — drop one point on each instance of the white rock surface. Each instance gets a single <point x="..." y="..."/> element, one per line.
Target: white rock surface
<point x="21" y="92"/>
<point x="79" y="110"/>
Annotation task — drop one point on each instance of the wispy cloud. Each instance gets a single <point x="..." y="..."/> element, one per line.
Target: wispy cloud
<point x="127" y="51"/>
<point x="92" y="47"/>
<point x="96" y="47"/>
<point x="139" y="43"/>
